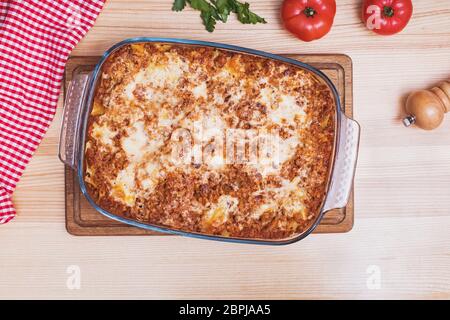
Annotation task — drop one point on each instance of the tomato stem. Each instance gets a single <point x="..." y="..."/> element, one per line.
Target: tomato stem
<point x="388" y="11"/>
<point x="309" y="12"/>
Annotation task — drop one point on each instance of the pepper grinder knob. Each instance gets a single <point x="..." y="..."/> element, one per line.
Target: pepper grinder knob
<point x="426" y="108"/>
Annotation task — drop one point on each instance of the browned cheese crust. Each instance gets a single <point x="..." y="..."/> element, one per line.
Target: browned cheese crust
<point x="145" y="91"/>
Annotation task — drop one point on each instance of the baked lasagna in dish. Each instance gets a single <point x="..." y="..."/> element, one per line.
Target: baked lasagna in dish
<point x="210" y="141"/>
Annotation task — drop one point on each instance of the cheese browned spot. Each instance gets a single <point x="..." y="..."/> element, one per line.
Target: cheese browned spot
<point x="152" y="96"/>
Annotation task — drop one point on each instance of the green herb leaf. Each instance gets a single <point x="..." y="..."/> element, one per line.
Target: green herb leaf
<point x="178" y="5"/>
<point x="245" y="15"/>
<point x="208" y="13"/>
<point x="208" y="20"/>
<point x="213" y="10"/>
<point x="202" y="5"/>
<point x="223" y="9"/>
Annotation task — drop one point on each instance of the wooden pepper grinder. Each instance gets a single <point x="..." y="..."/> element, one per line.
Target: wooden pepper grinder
<point x="426" y="108"/>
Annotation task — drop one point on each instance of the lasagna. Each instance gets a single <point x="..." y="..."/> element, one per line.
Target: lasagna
<point x="210" y="141"/>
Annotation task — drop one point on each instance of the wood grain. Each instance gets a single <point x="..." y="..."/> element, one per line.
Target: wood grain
<point x="402" y="194"/>
<point x="83" y="220"/>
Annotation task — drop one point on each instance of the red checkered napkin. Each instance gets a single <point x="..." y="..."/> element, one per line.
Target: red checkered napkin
<point x="36" y="37"/>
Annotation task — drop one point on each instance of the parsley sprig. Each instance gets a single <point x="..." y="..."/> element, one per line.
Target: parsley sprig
<point x="212" y="11"/>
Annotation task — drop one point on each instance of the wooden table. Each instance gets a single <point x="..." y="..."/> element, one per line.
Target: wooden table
<point x="402" y="193"/>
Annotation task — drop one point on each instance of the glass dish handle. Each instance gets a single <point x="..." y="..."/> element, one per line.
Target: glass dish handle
<point x="72" y="118"/>
<point x="345" y="165"/>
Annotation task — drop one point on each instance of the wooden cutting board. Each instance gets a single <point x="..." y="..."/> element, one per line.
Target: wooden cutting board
<point x="83" y="220"/>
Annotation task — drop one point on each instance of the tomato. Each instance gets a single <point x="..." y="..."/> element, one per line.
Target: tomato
<point x="386" y="17"/>
<point x="308" y="19"/>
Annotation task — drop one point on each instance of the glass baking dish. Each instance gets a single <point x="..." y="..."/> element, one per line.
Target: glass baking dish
<point x="77" y="108"/>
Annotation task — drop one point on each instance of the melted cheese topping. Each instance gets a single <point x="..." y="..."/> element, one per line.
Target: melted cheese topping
<point x="200" y="90"/>
<point x="220" y="211"/>
<point x="286" y="112"/>
<point x="149" y="176"/>
<point x="124" y="186"/>
<point x="249" y="140"/>
<point x="135" y="144"/>
<point x="157" y="76"/>
<point x="104" y="134"/>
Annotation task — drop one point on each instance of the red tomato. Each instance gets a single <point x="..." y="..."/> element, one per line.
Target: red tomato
<point x="386" y="17"/>
<point x="308" y="19"/>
